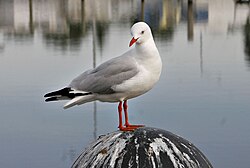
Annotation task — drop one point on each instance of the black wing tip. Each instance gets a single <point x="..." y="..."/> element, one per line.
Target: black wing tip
<point x="47" y="95"/>
<point x="58" y="92"/>
<point x="63" y="93"/>
<point x="50" y="94"/>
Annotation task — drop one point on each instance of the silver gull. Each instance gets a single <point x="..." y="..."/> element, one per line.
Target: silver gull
<point x="130" y="75"/>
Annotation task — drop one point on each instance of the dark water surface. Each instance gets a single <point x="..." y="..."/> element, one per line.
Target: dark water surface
<point x="203" y="94"/>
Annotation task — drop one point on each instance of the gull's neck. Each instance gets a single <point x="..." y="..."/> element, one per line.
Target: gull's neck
<point x="147" y="55"/>
<point x="147" y="49"/>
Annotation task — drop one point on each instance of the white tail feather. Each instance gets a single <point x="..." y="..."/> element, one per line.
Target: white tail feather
<point x="78" y="100"/>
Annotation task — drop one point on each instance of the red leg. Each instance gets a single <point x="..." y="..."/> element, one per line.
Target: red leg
<point x="127" y="125"/>
<point x="121" y="127"/>
<point x="120" y="114"/>
<point x="125" y="108"/>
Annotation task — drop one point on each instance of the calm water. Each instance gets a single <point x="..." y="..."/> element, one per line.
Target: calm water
<point x="203" y="94"/>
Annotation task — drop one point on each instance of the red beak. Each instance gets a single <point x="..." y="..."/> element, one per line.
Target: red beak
<point x="133" y="40"/>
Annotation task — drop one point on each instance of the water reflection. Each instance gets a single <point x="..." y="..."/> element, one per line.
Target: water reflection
<point x="247" y="39"/>
<point x="2" y="45"/>
<point x="246" y="29"/>
<point x="162" y="16"/>
<point x="66" y="22"/>
<point x="242" y="8"/>
<point x="69" y="26"/>
<point x="31" y="17"/>
<point x="190" y="23"/>
<point x="71" y="39"/>
<point x="94" y="30"/>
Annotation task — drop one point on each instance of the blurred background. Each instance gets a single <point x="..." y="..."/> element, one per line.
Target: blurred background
<point x="203" y="94"/>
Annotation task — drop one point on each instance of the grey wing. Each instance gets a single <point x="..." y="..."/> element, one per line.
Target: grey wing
<point x="101" y="79"/>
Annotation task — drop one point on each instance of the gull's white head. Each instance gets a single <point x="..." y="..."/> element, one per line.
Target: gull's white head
<point x="141" y="32"/>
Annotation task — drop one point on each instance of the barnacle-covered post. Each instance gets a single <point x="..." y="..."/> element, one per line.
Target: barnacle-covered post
<point x="142" y="148"/>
